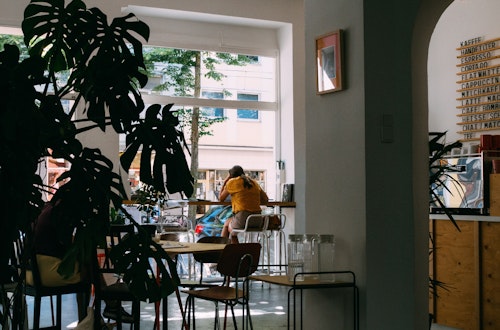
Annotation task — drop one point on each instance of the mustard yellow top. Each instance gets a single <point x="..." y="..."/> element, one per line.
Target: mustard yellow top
<point x="244" y="199"/>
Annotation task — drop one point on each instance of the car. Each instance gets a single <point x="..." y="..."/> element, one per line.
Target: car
<point x="211" y="223"/>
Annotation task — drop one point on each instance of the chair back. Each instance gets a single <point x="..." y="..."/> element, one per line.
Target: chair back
<point x="239" y="260"/>
<point x="211" y="257"/>
<point x="15" y="258"/>
<point x="276" y="221"/>
<point x="115" y="235"/>
<point x="256" y="222"/>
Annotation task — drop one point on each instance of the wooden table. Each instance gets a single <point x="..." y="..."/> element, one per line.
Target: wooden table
<point x="174" y="248"/>
<point x="310" y="283"/>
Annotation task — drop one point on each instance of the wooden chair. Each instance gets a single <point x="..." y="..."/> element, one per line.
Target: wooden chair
<point x="203" y="258"/>
<point x="107" y="284"/>
<point x="208" y="258"/>
<point x="236" y="263"/>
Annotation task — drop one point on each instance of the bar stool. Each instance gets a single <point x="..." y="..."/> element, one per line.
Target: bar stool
<point x="255" y="230"/>
<point x="275" y="227"/>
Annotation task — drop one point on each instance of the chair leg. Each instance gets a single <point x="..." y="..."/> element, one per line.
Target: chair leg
<point x="187" y="313"/>
<point x="136" y="311"/>
<point x="58" y="311"/>
<point x="52" y="309"/>
<point x="234" y="318"/>
<point x="249" y="317"/>
<point x="97" y="313"/>
<point x="36" y="313"/>
<point x="119" y="324"/>
<point x="217" y="320"/>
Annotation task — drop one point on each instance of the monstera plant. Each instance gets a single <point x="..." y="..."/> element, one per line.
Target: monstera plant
<point x="104" y="68"/>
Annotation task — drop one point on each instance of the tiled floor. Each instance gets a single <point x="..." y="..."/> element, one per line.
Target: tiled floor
<point x="268" y="310"/>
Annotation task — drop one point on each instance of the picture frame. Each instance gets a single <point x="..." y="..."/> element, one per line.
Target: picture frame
<point x="329" y="62"/>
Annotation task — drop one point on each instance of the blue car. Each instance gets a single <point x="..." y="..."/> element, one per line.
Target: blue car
<point x="211" y="223"/>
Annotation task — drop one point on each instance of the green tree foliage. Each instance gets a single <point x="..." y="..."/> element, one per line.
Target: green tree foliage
<point x="9" y="39"/>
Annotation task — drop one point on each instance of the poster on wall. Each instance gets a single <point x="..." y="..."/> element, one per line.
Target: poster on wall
<point x="329" y="62"/>
<point x="479" y="87"/>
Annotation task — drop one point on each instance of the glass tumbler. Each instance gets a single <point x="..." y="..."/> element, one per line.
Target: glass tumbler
<point x="311" y="260"/>
<point x="295" y="257"/>
<point x="326" y="252"/>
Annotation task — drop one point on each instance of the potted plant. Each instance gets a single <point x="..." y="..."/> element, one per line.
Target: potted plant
<point x="439" y="170"/>
<point x="104" y="68"/>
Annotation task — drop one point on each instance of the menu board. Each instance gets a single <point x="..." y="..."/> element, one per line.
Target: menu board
<point x="479" y="87"/>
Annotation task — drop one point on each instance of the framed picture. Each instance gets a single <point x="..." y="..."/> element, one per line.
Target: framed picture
<point x="329" y="62"/>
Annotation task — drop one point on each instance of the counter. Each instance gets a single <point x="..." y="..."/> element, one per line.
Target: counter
<point x="467" y="262"/>
<point x="460" y="217"/>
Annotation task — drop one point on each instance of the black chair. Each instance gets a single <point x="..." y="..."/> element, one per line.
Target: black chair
<point x="108" y="286"/>
<point x="115" y="235"/>
<point x="236" y="263"/>
<point x="203" y="258"/>
<point x="37" y="290"/>
<point x="207" y="258"/>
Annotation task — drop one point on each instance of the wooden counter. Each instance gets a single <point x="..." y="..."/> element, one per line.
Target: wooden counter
<point x="468" y="263"/>
<point x="270" y="203"/>
<point x="210" y="203"/>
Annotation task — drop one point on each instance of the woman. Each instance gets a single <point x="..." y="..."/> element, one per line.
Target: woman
<point x="246" y="199"/>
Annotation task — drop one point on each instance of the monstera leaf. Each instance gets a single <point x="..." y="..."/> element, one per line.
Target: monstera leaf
<point x="132" y="258"/>
<point x="105" y="70"/>
<point x="161" y="141"/>
<point x="57" y="33"/>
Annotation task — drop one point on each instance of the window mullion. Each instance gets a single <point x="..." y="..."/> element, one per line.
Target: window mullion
<point x="213" y="103"/>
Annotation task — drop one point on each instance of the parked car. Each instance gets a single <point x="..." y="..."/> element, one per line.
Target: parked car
<point x="211" y="223"/>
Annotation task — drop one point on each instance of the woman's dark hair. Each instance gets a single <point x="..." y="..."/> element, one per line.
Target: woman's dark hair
<point x="237" y="171"/>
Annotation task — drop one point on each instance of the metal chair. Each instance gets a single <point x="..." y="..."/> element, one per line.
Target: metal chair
<point x="236" y="263"/>
<point x="255" y="230"/>
<point x="275" y="227"/>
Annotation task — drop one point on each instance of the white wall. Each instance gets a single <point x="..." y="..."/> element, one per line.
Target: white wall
<point x="461" y="21"/>
<point x="333" y="160"/>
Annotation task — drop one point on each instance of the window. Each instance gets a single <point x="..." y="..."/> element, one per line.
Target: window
<point x="231" y="95"/>
<point x="212" y="112"/>
<point x="246" y="113"/>
<point x="252" y="59"/>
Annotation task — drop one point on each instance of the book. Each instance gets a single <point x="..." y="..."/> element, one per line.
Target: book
<point x="287" y="192"/>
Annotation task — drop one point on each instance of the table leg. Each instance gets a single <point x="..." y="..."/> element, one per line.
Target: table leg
<point x="288" y="310"/>
<point x="301" y="309"/>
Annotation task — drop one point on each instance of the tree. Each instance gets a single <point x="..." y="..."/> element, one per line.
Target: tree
<point x="182" y="75"/>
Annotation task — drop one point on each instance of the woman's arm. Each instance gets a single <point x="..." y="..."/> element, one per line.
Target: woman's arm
<point x="224" y="193"/>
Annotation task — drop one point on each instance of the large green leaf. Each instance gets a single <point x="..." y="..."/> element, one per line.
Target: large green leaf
<point x="132" y="258"/>
<point x="162" y="146"/>
<point x="57" y="33"/>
